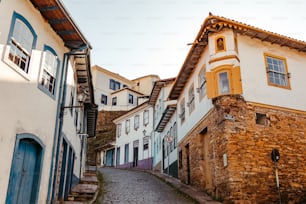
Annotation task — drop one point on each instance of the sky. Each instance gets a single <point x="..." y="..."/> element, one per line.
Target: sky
<point x="135" y="38"/>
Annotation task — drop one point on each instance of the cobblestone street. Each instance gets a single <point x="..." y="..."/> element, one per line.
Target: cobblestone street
<point x="123" y="186"/>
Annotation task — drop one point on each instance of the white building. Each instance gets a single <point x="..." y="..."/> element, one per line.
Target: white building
<point x="134" y="138"/>
<point x="239" y="96"/>
<point x="165" y="128"/>
<point x="114" y="92"/>
<point x="44" y="66"/>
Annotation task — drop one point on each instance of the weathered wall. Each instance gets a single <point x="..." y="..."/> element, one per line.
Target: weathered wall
<point x="249" y="176"/>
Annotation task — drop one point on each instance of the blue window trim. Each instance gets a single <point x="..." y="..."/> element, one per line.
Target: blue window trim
<point x="41" y="87"/>
<point x="21" y="136"/>
<point x="24" y="20"/>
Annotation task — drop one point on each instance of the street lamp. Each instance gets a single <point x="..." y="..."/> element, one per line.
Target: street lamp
<point x="169" y="139"/>
<point x="81" y="99"/>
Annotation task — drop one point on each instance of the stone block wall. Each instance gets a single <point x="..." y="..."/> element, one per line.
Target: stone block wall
<point x="105" y="133"/>
<point x="249" y="176"/>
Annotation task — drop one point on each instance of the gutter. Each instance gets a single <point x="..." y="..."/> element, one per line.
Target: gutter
<point x="59" y="124"/>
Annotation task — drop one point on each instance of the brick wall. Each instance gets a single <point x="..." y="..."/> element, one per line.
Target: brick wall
<point x="249" y="176"/>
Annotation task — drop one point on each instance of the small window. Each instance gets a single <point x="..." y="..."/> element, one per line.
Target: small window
<point x="191" y="103"/>
<point x="118" y="156"/>
<point x="202" y="83"/>
<point x="22" y="39"/>
<point x="146" y="143"/>
<point x="112" y="84"/>
<point x="131" y="99"/>
<point x="117" y="85"/>
<point x="180" y="159"/>
<point x="182" y="109"/>
<point x="224" y="83"/>
<point x="175" y="135"/>
<point x="50" y="65"/>
<point x="220" y="44"/>
<point x="114" y="101"/>
<point x="277" y="71"/>
<point x="146" y="117"/>
<point x="136" y="122"/>
<point x="119" y="127"/>
<point x="127" y="126"/>
<point x="261" y="119"/>
<point x="103" y="99"/>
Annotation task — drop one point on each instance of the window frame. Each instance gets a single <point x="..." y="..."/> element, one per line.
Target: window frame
<point x="10" y="41"/>
<point x="286" y="74"/>
<point x="119" y="130"/>
<point x="42" y="70"/>
<point x="182" y="114"/>
<point x="202" y="84"/>
<point x="228" y="82"/>
<point x="114" y="101"/>
<point x="191" y="99"/>
<point x="127" y="126"/>
<point x="136" y="122"/>
<point x="131" y="99"/>
<point x="103" y="102"/>
<point x="145" y="117"/>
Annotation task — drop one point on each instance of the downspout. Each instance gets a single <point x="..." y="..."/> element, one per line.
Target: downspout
<point x="59" y="124"/>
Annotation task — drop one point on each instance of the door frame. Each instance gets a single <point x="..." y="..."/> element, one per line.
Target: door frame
<point x="36" y="139"/>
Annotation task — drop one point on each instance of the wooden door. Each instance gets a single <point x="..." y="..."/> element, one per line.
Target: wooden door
<point x="25" y="173"/>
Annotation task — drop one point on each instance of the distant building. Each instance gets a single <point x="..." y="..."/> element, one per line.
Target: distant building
<point x="115" y="95"/>
<point x="134" y="130"/>
<point x="240" y="103"/>
<point x="47" y="104"/>
<point x="165" y="128"/>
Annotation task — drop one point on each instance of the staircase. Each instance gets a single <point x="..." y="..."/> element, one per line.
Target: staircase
<point x="86" y="191"/>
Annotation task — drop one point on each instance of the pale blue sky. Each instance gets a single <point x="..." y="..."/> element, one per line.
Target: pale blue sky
<point x="140" y="37"/>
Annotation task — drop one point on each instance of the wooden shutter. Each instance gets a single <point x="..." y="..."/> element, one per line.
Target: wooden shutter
<point x="236" y="84"/>
<point x="211" y="85"/>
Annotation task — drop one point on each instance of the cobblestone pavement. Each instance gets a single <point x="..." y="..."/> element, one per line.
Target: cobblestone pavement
<point x="136" y="187"/>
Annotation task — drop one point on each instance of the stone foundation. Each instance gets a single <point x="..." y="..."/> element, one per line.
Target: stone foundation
<point x="249" y="176"/>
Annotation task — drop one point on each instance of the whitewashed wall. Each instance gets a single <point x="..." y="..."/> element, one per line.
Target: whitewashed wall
<point x="254" y="77"/>
<point x="134" y="135"/>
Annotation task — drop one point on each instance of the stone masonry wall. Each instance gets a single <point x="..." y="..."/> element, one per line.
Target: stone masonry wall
<point x="105" y="133"/>
<point x="249" y="176"/>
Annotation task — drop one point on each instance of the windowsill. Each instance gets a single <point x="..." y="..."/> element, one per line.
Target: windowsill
<point x="43" y="89"/>
<point x="14" y="66"/>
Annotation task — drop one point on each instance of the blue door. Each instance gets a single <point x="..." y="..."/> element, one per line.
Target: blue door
<point x="109" y="157"/>
<point x="25" y="173"/>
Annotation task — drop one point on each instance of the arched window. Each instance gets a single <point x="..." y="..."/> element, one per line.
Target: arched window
<point x="22" y="39"/>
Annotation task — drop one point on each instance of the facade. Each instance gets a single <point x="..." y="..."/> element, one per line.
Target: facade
<point x="44" y="71"/>
<point x="134" y="130"/>
<point x="165" y="128"/>
<point x="115" y="94"/>
<point x="144" y="84"/>
<point x="241" y="114"/>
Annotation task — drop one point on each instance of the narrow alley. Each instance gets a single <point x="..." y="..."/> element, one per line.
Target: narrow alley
<point x="137" y="187"/>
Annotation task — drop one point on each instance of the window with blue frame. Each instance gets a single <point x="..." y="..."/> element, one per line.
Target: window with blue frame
<point x="50" y="65"/>
<point x="21" y="41"/>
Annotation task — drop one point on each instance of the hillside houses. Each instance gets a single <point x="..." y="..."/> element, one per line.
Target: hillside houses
<point x="234" y="115"/>
<point x="47" y="109"/>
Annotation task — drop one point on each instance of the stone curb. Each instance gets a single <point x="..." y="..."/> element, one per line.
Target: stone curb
<point x="196" y="195"/>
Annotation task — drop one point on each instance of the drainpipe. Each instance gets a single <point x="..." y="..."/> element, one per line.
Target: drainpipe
<point x="59" y="124"/>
